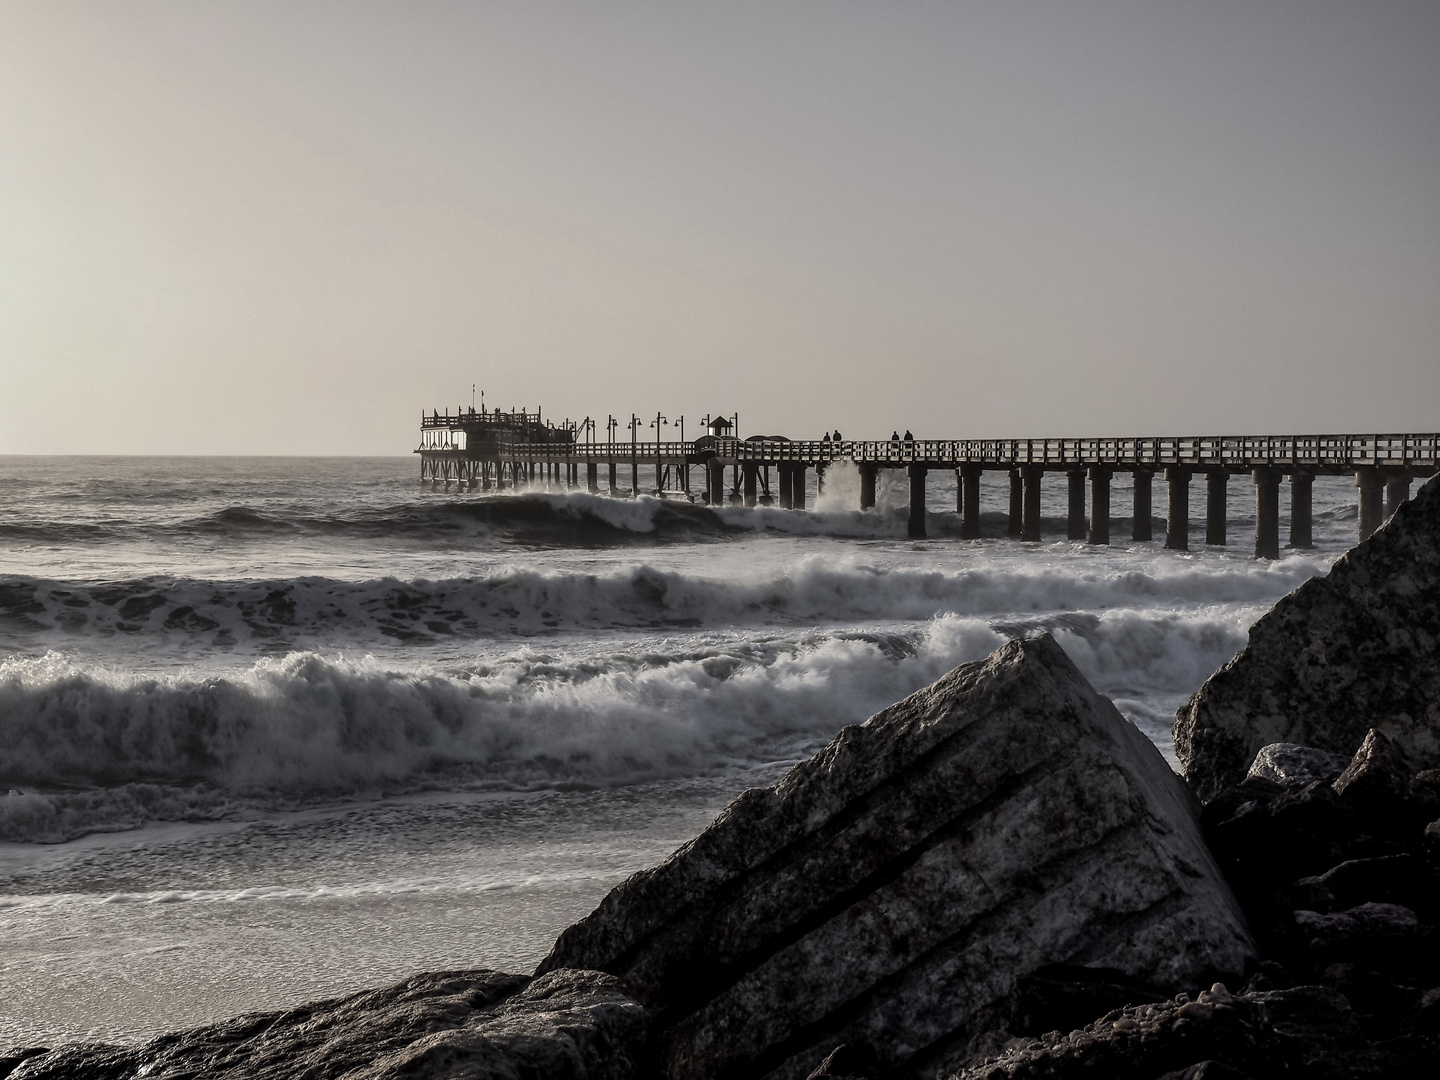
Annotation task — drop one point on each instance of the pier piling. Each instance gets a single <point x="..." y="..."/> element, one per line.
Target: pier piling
<point x="868" y="473"/>
<point x="1140" y="528"/>
<point x="1031" y="475"/>
<point x="1075" y="518"/>
<point x="1372" y="495"/>
<point x="1397" y="489"/>
<point x="916" y="524"/>
<point x="1267" y="513"/>
<point x="968" y="498"/>
<point x="1301" y="483"/>
<point x="1177" y="508"/>
<point x="1217" y="482"/>
<point x="1099" y="504"/>
<point x="1017" y="505"/>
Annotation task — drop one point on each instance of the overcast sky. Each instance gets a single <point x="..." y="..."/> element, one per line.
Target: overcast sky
<point x="289" y="227"/>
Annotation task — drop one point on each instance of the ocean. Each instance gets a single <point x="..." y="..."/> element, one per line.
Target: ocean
<point x="274" y="729"/>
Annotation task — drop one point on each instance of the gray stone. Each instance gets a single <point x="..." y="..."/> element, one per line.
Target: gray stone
<point x="1357" y="649"/>
<point x="1293" y="765"/>
<point x="889" y="893"/>
<point x="467" y="1025"/>
<point x="1307" y="1031"/>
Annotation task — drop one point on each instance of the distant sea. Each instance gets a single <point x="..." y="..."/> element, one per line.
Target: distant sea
<point x="276" y="728"/>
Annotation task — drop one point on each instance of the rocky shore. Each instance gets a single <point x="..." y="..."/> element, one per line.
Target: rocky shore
<point x="997" y="877"/>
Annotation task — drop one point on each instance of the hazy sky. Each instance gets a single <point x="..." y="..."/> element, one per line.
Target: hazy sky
<point x="289" y="227"/>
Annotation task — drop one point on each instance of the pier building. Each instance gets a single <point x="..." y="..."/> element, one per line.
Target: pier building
<point x="492" y="451"/>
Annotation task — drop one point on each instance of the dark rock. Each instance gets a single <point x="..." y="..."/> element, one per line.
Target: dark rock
<point x="1291" y="765"/>
<point x="1428" y="1019"/>
<point x="1392" y="879"/>
<point x="1341" y="654"/>
<point x="1064" y="996"/>
<point x="1367" y="990"/>
<point x="890" y="892"/>
<point x="1207" y="1070"/>
<point x="1386" y="935"/>
<point x="1379" y="787"/>
<point x="1307" y="1031"/>
<point x="1269" y="975"/>
<point x="844" y="1063"/>
<point x="568" y="1025"/>
<point x="10" y="1059"/>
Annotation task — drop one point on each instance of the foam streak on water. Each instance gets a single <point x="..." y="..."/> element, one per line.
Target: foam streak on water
<point x="254" y="710"/>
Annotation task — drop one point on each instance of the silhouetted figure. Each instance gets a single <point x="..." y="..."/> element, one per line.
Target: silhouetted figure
<point x="837" y="434"/>
<point x="894" y="436"/>
<point x="908" y="436"/>
<point x="826" y="437"/>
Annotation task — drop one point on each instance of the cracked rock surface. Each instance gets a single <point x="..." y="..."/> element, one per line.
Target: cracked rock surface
<point x="1357" y="649"/>
<point x="459" y="1025"/>
<point x="892" y="893"/>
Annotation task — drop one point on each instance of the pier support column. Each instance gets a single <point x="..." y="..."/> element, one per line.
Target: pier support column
<point x="1267" y="513"/>
<point x="786" y="496"/>
<point x="614" y="487"/>
<point x="634" y="479"/>
<point x="1075" y="517"/>
<point x="1017" y="505"/>
<point x="592" y="478"/>
<point x="1099" y="504"/>
<point x="1030" y="521"/>
<point x="868" y="472"/>
<point x="1215" y="494"/>
<point x="1397" y="488"/>
<point x="797" y="488"/>
<point x="820" y="467"/>
<point x="969" y="500"/>
<point x="1140" y="527"/>
<point x="1372" y="495"/>
<point x="714" y="482"/>
<point x="749" y="473"/>
<point x="916" y="529"/>
<point x="1301" y="483"/>
<point x="1177" y="508"/>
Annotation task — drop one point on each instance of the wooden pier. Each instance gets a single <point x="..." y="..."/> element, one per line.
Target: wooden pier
<point x="492" y="451"/>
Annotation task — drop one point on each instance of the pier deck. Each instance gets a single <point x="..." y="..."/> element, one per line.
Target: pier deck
<point x="494" y="450"/>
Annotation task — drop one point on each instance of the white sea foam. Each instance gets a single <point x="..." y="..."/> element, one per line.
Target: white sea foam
<point x="89" y="748"/>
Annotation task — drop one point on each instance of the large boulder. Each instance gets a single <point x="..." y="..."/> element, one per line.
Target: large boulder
<point x="893" y="892"/>
<point x="1357" y="649"/>
<point x="476" y="1025"/>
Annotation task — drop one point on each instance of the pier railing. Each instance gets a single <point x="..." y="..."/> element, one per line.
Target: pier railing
<point x="1324" y="453"/>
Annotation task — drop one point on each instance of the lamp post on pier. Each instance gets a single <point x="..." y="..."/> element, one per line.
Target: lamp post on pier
<point x="659" y="463"/>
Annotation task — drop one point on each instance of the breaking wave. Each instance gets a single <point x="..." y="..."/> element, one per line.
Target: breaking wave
<point x="85" y="748"/>
<point x="282" y="614"/>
